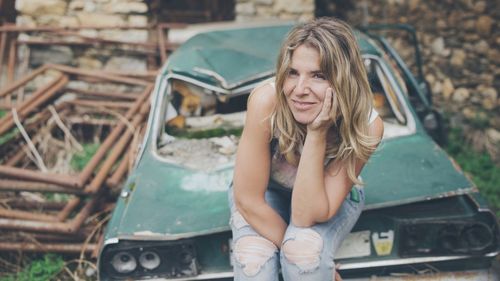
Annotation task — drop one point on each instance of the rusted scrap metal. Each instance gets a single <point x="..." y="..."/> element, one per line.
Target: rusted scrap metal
<point x="65" y="248"/>
<point x="50" y="221"/>
<point x="60" y="217"/>
<point x="118" y="174"/>
<point x="98" y="103"/>
<point x="50" y="91"/>
<point x="87" y="93"/>
<point x="70" y="227"/>
<point x="152" y="48"/>
<point x="33" y="186"/>
<point x="112" y="137"/>
<point x="100" y="177"/>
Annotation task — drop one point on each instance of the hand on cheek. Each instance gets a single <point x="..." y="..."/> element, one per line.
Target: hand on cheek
<point x="324" y="119"/>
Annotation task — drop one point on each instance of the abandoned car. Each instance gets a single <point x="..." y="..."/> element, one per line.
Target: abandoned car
<point x="422" y="213"/>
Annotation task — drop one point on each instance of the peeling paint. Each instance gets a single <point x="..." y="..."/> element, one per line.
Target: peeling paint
<point x="207" y="182"/>
<point x="147" y="233"/>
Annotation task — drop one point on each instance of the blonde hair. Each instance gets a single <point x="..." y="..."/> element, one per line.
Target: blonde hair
<point x="342" y="65"/>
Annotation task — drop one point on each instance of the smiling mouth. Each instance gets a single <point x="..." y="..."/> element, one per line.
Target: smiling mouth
<point x="301" y="105"/>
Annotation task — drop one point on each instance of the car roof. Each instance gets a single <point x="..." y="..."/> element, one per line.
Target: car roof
<point x="232" y="58"/>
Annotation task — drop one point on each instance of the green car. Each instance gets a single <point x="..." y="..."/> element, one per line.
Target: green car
<point x="422" y="213"/>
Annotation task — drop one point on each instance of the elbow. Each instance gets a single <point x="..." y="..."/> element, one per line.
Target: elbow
<point x="244" y="205"/>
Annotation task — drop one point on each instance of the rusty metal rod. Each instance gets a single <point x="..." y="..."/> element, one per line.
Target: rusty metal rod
<point x="11" y="67"/>
<point x="125" y="96"/>
<point x="97" y="103"/>
<point x="111" y="139"/>
<point x="40" y="118"/>
<point x="24" y="215"/>
<point x="91" y="121"/>
<point x="7" y="122"/>
<point x="48" y="247"/>
<point x="35" y="121"/>
<point x="66" y="211"/>
<point x="3" y="42"/>
<point x="114" y="180"/>
<point x="64" y="180"/>
<point x="146" y="50"/>
<point x="99" y="75"/>
<point x="118" y="148"/>
<point x="70" y="227"/>
<point x="21" y="82"/>
<point x="98" y="40"/>
<point x="161" y="43"/>
<point x="18" y="185"/>
<point x="14" y="28"/>
<point x="28" y="205"/>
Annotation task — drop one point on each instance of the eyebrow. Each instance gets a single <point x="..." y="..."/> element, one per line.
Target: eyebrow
<point x="312" y="72"/>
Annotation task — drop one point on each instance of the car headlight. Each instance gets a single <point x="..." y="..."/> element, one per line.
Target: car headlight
<point x="149" y="260"/>
<point x="445" y="238"/>
<point x="130" y="260"/>
<point x="124" y="262"/>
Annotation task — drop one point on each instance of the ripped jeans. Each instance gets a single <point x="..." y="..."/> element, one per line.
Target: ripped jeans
<point x="306" y="254"/>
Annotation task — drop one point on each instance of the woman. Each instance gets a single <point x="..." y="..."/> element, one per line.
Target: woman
<point x="306" y="138"/>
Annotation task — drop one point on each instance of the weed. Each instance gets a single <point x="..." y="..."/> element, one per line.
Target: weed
<point x="80" y="160"/>
<point x="484" y="172"/>
<point x="39" y="270"/>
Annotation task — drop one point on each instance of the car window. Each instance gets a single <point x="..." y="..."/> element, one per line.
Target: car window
<point x="384" y="88"/>
<point x="201" y="128"/>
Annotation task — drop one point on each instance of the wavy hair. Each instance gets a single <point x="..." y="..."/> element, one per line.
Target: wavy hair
<point x="342" y="65"/>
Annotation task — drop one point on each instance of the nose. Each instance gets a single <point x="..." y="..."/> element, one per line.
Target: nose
<point x="302" y="85"/>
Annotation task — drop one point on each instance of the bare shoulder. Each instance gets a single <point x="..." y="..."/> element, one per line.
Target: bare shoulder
<point x="261" y="104"/>
<point x="263" y="97"/>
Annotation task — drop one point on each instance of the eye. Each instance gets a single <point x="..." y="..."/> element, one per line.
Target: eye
<point x="292" y="72"/>
<point x="319" y="76"/>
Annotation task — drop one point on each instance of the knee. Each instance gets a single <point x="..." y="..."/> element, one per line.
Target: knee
<point x="304" y="250"/>
<point x="252" y="252"/>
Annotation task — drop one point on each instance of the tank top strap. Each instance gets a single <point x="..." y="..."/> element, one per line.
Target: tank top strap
<point x="373" y="116"/>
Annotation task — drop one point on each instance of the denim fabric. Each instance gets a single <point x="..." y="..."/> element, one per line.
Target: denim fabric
<point x="330" y="233"/>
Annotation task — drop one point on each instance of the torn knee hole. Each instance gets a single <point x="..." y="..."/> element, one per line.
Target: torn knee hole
<point x="304" y="249"/>
<point x="252" y="252"/>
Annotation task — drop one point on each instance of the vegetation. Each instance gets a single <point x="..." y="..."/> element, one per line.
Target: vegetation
<point x="200" y="134"/>
<point x="2" y="113"/>
<point x="479" y="165"/>
<point x="5" y="138"/>
<point x="39" y="270"/>
<point x="80" y="160"/>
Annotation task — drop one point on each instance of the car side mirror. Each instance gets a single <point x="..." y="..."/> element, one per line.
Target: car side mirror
<point x="433" y="124"/>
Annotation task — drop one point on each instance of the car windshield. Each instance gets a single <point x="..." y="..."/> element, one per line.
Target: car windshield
<point x="202" y="127"/>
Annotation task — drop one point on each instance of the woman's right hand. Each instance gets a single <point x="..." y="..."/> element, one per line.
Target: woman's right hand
<point x="324" y="120"/>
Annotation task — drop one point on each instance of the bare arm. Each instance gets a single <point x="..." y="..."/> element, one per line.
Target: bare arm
<point x="318" y="192"/>
<point x="251" y="174"/>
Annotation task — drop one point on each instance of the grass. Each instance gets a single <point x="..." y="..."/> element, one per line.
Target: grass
<point x="209" y="133"/>
<point x="479" y="165"/>
<point x="42" y="269"/>
<point x="80" y="160"/>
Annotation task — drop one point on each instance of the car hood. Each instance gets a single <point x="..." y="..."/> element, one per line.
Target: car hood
<point x="162" y="201"/>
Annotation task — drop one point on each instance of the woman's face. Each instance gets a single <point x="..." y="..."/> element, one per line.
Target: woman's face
<point x="305" y="86"/>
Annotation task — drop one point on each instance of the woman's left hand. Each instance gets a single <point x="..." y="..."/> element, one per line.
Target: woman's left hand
<point x="324" y="119"/>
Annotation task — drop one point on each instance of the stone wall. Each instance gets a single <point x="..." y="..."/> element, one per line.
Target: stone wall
<point x="68" y="13"/>
<point x="460" y="40"/>
<point x="248" y="10"/>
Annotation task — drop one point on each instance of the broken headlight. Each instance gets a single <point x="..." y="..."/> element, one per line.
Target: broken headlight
<point x="137" y="260"/>
<point x="446" y="238"/>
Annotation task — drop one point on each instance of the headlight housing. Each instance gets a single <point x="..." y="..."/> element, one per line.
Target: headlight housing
<point x="138" y="259"/>
<point x="445" y="238"/>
